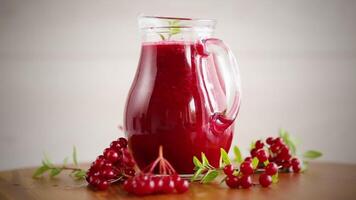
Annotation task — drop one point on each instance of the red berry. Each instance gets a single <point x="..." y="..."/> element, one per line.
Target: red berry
<point x="158" y="184"/>
<point x="270" y="158"/>
<point x="296" y="168"/>
<point x="130" y="172"/>
<point x="134" y="185"/>
<point x="111" y="155"/>
<point x="144" y="186"/>
<point x="123" y="142"/>
<point x="93" y="180"/>
<point x="103" y="185"/>
<point x="261" y="155"/>
<point x="168" y="184"/>
<point x="128" y="185"/>
<point x="295" y="161"/>
<point x="176" y="178"/>
<point x="271" y="168"/>
<point x="296" y="165"/>
<point x="229" y="169"/>
<point x="98" y="163"/>
<point x="232" y="181"/>
<point x="259" y="144"/>
<point x="115" y="145"/>
<point x="248" y="159"/>
<point x="128" y="162"/>
<point x="286" y="164"/>
<point x="108" y="164"/>
<point x="280" y="158"/>
<point x="245" y="181"/>
<point x="144" y="177"/>
<point x="149" y="186"/>
<point x="275" y="148"/>
<point x="181" y="186"/>
<point x="285" y="154"/>
<point x="246" y="168"/>
<point x="253" y="152"/>
<point x="278" y="141"/>
<point x="106" y="150"/>
<point x="269" y="140"/>
<point x="91" y="171"/>
<point x="278" y="162"/>
<point x="265" y="180"/>
<point x="107" y="173"/>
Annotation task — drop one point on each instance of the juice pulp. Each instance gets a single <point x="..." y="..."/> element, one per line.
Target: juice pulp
<point x="167" y="106"/>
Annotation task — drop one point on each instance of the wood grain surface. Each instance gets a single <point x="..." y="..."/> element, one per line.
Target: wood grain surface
<point x="321" y="181"/>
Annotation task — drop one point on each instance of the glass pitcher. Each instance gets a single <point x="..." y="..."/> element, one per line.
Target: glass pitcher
<point x="185" y="95"/>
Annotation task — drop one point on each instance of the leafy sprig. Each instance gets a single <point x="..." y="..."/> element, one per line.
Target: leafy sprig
<point x="206" y="173"/>
<point x="172" y="30"/>
<point x="238" y="157"/>
<point x="204" y="169"/>
<point x="289" y="141"/>
<point x="293" y="143"/>
<point x="53" y="170"/>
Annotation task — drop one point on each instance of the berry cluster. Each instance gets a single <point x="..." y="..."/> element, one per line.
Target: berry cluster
<point x="145" y="184"/>
<point x="168" y="181"/>
<point x="271" y="157"/>
<point x="115" y="164"/>
<point x="279" y="153"/>
<point x="243" y="178"/>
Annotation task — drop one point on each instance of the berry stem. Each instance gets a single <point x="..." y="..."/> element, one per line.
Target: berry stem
<point x="153" y="165"/>
<point x="164" y="166"/>
<point x="116" y="180"/>
<point x="170" y="167"/>
<point x="68" y="168"/>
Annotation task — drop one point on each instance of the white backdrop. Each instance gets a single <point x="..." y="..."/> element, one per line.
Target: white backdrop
<point x="66" y="67"/>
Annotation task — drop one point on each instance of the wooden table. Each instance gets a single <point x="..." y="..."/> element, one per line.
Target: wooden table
<point x="321" y="181"/>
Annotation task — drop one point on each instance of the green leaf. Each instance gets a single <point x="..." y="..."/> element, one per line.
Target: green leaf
<point x="80" y="174"/>
<point x="75" y="161"/>
<point x="255" y="162"/>
<point x="225" y="157"/>
<point x="275" y="178"/>
<point x="46" y="160"/>
<point x="312" y="154"/>
<point x="204" y="160"/>
<point x="288" y="140"/>
<point x="210" y="176"/>
<point x="174" y="27"/>
<point x="266" y="163"/>
<point x="65" y="161"/>
<point x="54" y="172"/>
<point x="173" y="22"/>
<point x="40" y="171"/>
<point x="196" y="174"/>
<point x="174" y="31"/>
<point x="305" y="166"/>
<point x="282" y="133"/>
<point x="44" y="163"/>
<point x="238" y="157"/>
<point x="292" y="147"/>
<point x="162" y="36"/>
<point x="197" y="163"/>
<point x="253" y="145"/>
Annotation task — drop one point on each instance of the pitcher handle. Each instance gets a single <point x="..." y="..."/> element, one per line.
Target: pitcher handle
<point x="225" y="62"/>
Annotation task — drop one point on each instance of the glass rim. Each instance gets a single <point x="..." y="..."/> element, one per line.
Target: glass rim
<point x="152" y="22"/>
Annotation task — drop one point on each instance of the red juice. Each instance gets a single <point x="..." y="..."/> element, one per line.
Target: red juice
<point x="167" y="106"/>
